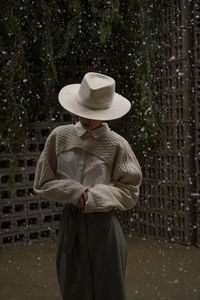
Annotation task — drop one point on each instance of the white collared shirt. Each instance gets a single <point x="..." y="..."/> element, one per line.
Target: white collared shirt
<point x="83" y="166"/>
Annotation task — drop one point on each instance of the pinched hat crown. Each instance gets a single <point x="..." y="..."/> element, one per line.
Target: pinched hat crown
<point x="96" y="91"/>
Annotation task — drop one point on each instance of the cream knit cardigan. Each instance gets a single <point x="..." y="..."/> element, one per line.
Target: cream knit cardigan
<point x="113" y="149"/>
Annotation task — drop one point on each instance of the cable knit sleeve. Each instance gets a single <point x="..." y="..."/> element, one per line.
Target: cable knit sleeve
<point x="124" y="190"/>
<point x="46" y="182"/>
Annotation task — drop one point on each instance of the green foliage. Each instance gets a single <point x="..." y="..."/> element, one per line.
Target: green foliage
<point x="48" y="44"/>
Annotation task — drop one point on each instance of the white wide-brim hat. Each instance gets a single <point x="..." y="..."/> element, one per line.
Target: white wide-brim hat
<point x="94" y="98"/>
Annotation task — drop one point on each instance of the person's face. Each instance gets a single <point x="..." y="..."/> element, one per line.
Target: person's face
<point x="89" y="124"/>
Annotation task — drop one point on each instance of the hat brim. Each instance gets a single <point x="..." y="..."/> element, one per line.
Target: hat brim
<point x="68" y="99"/>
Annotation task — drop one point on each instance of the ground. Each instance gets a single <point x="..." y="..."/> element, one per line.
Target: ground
<point x="156" y="270"/>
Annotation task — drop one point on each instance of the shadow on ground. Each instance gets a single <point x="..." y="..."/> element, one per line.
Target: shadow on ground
<point x="156" y="270"/>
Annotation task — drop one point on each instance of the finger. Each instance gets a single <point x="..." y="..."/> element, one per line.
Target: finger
<point x="82" y="203"/>
<point x="79" y="203"/>
<point x="85" y="196"/>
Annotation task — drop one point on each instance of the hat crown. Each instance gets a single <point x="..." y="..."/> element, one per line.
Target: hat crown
<point x="96" y="91"/>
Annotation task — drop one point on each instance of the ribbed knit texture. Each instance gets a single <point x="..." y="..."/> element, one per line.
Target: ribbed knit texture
<point x="112" y="148"/>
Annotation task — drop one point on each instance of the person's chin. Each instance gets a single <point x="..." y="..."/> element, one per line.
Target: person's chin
<point x="87" y="127"/>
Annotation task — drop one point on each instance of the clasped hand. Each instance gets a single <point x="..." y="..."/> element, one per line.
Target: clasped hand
<point x="82" y="201"/>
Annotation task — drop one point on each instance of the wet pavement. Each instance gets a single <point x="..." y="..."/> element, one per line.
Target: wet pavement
<point x="156" y="270"/>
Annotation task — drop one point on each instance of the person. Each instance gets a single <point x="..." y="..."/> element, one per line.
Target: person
<point x="92" y="170"/>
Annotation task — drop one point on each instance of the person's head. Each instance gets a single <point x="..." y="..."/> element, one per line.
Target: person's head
<point x="94" y="100"/>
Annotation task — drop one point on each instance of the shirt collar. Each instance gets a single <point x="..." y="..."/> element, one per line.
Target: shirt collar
<point x="96" y="133"/>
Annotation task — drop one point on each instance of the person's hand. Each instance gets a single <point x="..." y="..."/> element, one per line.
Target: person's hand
<point x="82" y="201"/>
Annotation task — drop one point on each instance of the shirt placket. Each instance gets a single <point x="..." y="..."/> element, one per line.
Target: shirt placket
<point x="81" y="162"/>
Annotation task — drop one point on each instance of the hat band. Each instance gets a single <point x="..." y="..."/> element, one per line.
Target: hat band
<point x="103" y="104"/>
